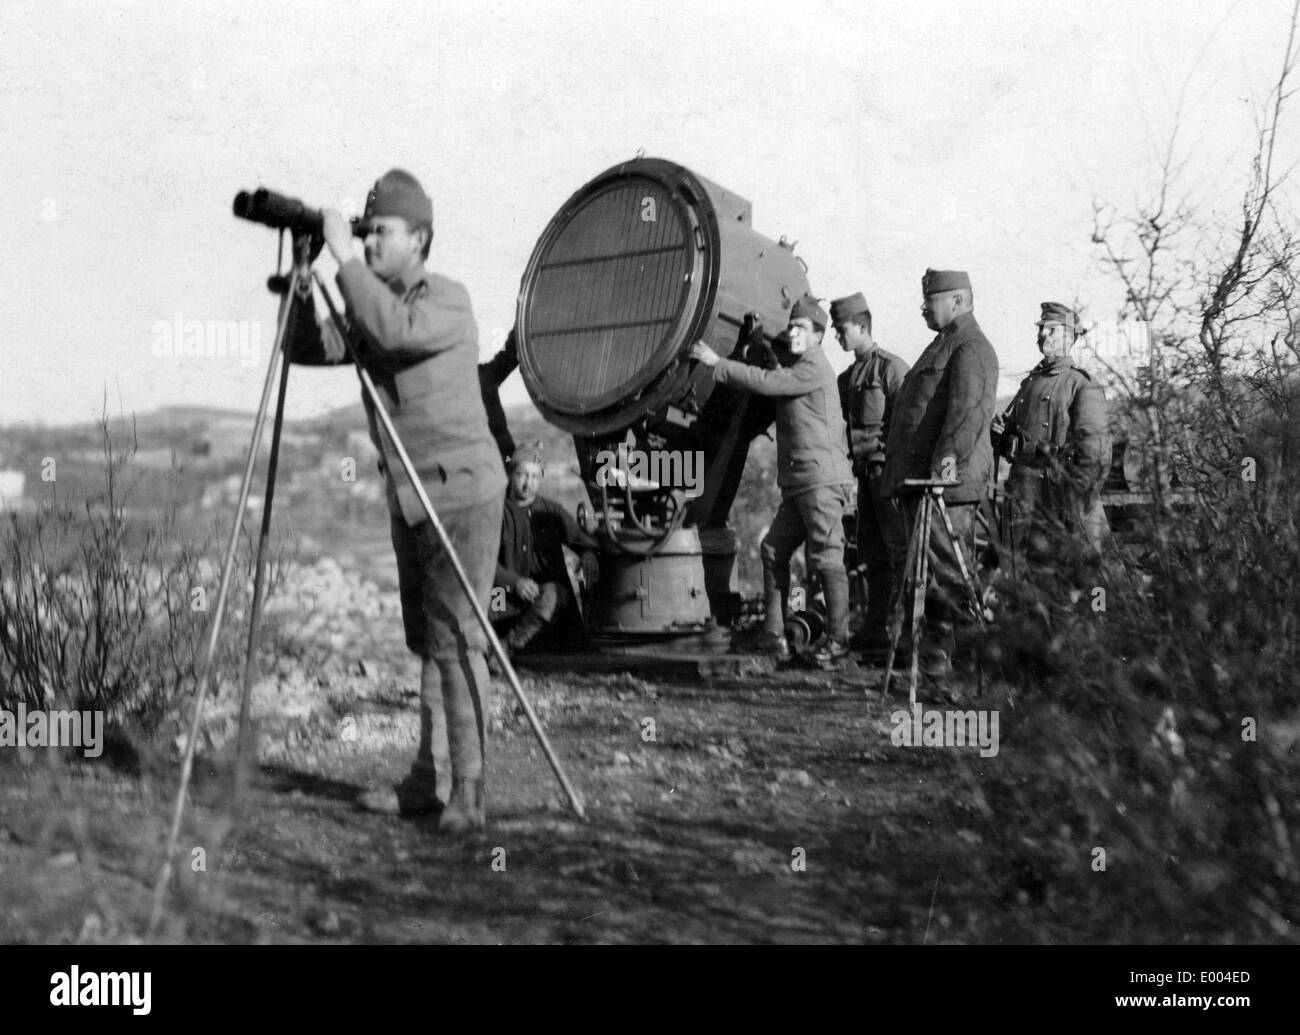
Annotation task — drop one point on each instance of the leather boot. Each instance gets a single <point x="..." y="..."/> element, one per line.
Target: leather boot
<point x="935" y="661"/>
<point x="880" y="593"/>
<point x="528" y="626"/>
<point x="416" y="795"/>
<point x="495" y="668"/>
<point x="835" y="587"/>
<point x="464" y="809"/>
<point x="775" y="603"/>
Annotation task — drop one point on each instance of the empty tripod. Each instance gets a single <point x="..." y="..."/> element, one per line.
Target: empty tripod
<point x="916" y="576"/>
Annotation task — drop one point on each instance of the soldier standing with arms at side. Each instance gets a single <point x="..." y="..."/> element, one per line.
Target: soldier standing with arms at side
<point x="867" y="389"/>
<point x="415" y="335"/>
<point x="1057" y="436"/>
<point x="939" y="430"/>
<point x="813" y="473"/>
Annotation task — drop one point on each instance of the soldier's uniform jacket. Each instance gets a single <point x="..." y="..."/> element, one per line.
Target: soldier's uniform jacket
<point x="1059" y="416"/>
<point x="811" y="442"/>
<point x="866" y="388"/>
<point x="533" y="540"/>
<point x="419" y="343"/>
<point x="944" y="409"/>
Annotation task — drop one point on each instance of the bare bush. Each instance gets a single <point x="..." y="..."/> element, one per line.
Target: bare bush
<point x="1156" y="729"/>
<point x="105" y="608"/>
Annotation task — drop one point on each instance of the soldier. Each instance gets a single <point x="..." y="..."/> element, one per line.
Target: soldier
<point x="1056" y="435"/>
<point x="867" y="389"/>
<point x="415" y="334"/>
<point x="491" y="375"/>
<point x="813" y="473"/>
<point x="939" y="431"/>
<point x="531" y="570"/>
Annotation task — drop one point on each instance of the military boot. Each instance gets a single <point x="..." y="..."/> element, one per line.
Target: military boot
<point x="835" y="587"/>
<point x="528" y="626"/>
<point x="775" y="602"/>
<point x="416" y="795"/>
<point x="832" y="655"/>
<point x="495" y="668"/>
<point x="464" y="809"/>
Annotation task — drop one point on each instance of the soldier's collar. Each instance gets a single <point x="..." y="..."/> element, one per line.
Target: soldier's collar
<point x="1054" y="364"/>
<point x="403" y="282"/>
<point x="809" y="355"/>
<point x="958" y="322"/>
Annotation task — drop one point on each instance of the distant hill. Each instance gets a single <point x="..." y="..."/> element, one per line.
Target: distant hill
<point x="168" y="419"/>
<point x="185" y="416"/>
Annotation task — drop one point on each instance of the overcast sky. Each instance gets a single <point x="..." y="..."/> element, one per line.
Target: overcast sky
<point x="883" y="137"/>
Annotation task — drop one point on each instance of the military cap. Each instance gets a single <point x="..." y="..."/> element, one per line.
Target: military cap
<point x="1055" y="312"/>
<point x="935" y="281"/>
<point x="527" y="453"/>
<point x="810" y="309"/>
<point x="843" y="309"/>
<point x="398" y="193"/>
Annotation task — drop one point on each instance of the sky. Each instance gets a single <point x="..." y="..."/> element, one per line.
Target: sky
<point x="884" y="138"/>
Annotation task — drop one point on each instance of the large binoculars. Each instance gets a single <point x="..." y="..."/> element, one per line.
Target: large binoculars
<point x="282" y="212"/>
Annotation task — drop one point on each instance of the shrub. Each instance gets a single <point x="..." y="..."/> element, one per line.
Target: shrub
<point x="98" y="604"/>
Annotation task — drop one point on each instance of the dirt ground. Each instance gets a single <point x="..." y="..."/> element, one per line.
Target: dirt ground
<point x="768" y="809"/>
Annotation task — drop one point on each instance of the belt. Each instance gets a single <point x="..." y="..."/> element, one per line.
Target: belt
<point x="1032" y="457"/>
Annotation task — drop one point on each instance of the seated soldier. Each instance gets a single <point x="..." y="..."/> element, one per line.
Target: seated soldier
<point x="530" y="567"/>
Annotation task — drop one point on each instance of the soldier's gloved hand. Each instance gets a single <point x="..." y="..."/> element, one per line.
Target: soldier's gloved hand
<point x="527" y="590"/>
<point x="703" y="354"/>
<point x="1080" y="479"/>
<point x="338" y="234"/>
<point x="332" y="342"/>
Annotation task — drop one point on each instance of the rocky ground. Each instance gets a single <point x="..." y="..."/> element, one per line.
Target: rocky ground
<point x="764" y="809"/>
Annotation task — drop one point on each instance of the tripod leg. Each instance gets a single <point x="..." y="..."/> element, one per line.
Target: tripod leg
<point x="245" y="749"/>
<point x="919" y="591"/>
<point x="896" y="617"/>
<point x="214" y="629"/>
<point x="968" y="580"/>
<point x="382" y="413"/>
<point x="972" y="587"/>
